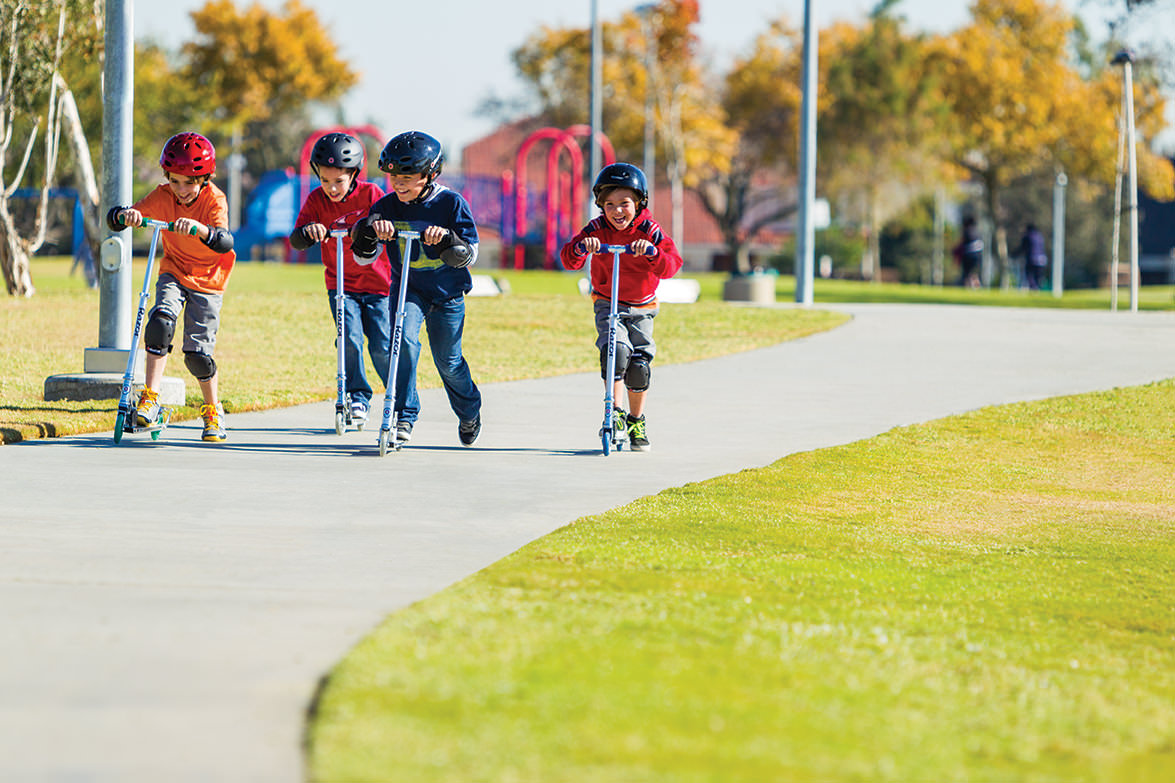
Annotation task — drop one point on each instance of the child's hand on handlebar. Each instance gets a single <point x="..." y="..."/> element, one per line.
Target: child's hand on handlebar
<point x="315" y="232"/>
<point x="589" y="245"/>
<point x="130" y="217"/>
<point x="433" y="234"/>
<point x="385" y="230"/>
<point x="641" y="247"/>
<point x="187" y="226"/>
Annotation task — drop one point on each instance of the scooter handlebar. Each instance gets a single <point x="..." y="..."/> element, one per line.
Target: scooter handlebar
<point x="166" y="226"/>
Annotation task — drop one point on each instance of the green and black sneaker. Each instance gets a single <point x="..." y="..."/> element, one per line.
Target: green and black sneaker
<point x="638" y="439"/>
<point x="619" y="424"/>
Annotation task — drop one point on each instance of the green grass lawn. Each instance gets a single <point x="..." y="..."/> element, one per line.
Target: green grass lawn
<point x="989" y="597"/>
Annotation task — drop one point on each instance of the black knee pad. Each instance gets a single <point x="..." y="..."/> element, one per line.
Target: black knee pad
<point x="158" y="333"/>
<point x="200" y="365"/>
<point x="622" y="354"/>
<point x="638" y="373"/>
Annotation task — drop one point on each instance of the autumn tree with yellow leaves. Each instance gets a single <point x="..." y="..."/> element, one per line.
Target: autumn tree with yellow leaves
<point x="556" y="66"/>
<point x="1018" y="105"/>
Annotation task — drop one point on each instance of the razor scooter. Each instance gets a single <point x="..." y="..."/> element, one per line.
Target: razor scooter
<point x="609" y="436"/>
<point x="387" y="438"/>
<point x="126" y="419"/>
<point x="342" y="410"/>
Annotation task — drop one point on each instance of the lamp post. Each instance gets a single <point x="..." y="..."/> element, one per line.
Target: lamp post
<point x="645" y="12"/>
<point x="1125" y="58"/>
<point x="805" y="234"/>
<point x="114" y="279"/>
<point x="595" y="110"/>
<point x="1059" y="234"/>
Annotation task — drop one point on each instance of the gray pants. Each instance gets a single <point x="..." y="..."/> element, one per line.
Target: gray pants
<point x="634" y="330"/>
<point x="201" y="313"/>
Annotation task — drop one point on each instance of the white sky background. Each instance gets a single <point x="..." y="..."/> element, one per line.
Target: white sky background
<point x="428" y="64"/>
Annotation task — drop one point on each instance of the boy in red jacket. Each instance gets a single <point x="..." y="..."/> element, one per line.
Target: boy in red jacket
<point x="621" y="193"/>
<point x="340" y="202"/>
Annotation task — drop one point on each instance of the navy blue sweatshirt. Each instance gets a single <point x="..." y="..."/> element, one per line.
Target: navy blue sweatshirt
<point x="429" y="277"/>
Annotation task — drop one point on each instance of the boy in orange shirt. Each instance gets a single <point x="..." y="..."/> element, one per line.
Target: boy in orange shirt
<point x="197" y="260"/>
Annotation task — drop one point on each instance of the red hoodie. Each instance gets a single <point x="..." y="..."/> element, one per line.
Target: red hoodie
<point x="639" y="275"/>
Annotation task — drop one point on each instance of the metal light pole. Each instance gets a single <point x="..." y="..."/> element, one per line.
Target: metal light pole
<point x="650" y="152"/>
<point x="1059" y="234"/>
<point x="596" y="111"/>
<point x="114" y="278"/>
<point x="805" y="235"/>
<point x="1125" y="58"/>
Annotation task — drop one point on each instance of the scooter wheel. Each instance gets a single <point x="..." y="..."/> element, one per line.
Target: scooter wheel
<point x="119" y="423"/>
<point x="606" y="440"/>
<point x="383" y="442"/>
<point x="155" y="433"/>
<point x="340" y="423"/>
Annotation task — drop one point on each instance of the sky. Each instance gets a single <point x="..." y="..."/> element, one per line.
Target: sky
<point x="427" y="65"/>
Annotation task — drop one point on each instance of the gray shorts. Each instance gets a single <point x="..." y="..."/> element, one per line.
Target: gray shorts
<point x="201" y="312"/>
<point x="635" y="329"/>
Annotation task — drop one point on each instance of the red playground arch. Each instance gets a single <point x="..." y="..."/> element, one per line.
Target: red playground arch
<point x="563" y="202"/>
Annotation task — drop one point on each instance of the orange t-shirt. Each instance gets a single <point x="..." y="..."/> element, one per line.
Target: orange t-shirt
<point x="186" y="257"/>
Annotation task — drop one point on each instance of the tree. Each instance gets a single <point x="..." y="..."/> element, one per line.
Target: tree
<point x="1019" y="104"/>
<point x="258" y="72"/>
<point x="33" y="38"/>
<point x="749" y="186"/>
<point x="253" y="64"/>
<point x="882" y="125"/>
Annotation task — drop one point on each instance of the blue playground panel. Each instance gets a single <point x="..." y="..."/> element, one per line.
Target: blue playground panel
<point x="274" y="204"/>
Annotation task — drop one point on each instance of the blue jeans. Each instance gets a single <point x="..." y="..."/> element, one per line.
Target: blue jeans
<point x="445" y="322"/>
<point x="363" y="315"/>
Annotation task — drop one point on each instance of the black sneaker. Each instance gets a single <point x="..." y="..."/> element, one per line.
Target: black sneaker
<point x="638" y="439"/>
<point x="469" y="430"/>
<point x="403" y="431"/>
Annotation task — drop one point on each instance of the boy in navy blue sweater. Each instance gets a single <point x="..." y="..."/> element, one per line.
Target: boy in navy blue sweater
<point x="438" y="277"/>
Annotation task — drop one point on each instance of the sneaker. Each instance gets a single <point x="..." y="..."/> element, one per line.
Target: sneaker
<point x="147" y="411"/>
<point x="619" y="423"/>
<point x="638" y="440"/>
<point x="359" y="412"/>
<point x="213" y="426"/>
<point x="403" y="431"/>
<point x="469" y="430"/>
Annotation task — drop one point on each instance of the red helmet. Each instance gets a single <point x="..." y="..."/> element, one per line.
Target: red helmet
<point x="188" y="154"/>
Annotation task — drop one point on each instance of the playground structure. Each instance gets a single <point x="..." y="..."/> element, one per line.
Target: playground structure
<point x="501" y="204"/>
<point x="564" y="204"/>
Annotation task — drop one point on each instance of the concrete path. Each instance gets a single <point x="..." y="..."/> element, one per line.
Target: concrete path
<point x="169" y="607"/>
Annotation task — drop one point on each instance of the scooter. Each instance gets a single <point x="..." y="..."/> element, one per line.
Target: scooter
<point x="387" y="439"/>
<point x="126" y="419"/>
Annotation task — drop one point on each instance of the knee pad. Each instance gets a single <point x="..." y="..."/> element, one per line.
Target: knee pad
<point x="622" y="354"/>
<point x="200" y="365"/>
<point x="638" y="373"/>
<point x="158" y="333"/>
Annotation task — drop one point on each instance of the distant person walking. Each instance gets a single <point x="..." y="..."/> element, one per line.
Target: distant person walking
<point x="969" y="254"/>
<point x="1035" y="258"/>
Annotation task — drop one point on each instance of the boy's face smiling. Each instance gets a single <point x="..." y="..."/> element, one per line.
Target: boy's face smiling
<point x="184" y="188"/>
<point x="336" y="183"/>
<point x="619" y="206"/>
<point x="408" y="187"/>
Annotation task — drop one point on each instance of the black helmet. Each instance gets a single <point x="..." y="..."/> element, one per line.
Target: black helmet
<point x="340" y="150"/>
<point x="412" y="153"/>
<point x="622" y="175"/>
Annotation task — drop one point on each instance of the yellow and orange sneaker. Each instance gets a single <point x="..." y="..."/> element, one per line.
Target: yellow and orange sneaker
<point x="147" y="411"/>
<point x="213" y="426"/>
